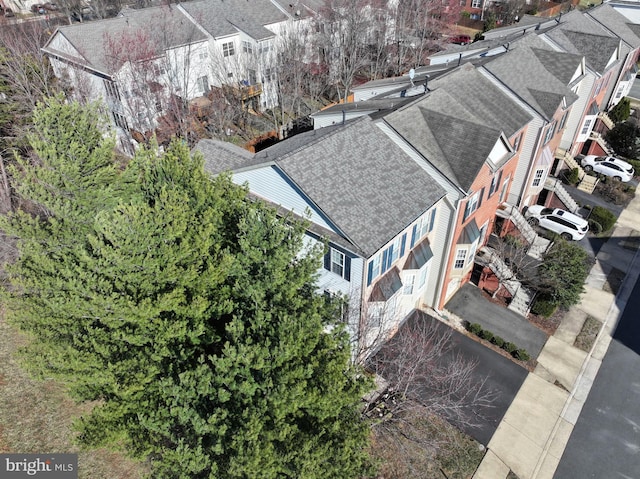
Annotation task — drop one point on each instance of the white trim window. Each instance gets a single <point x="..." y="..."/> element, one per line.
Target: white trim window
<point x="247" y="47"/>
<point x="550" y="132"/>
<point x="471" y="206"/>
<point x="461" y="258"/>
<point x="373" y="269"/>
<point x="203" y="84"/>
<point x="586" y="126"/>
<point x="476" y="3"/>
<point x="408" y="284"/>
<point x="228" y="50"/>
<point x="337" y="262"/>
<point x="422" y="276"/>
<point x="537" y="177"/>
<point x="422" y="227"/>
<point x="505" y="188"/>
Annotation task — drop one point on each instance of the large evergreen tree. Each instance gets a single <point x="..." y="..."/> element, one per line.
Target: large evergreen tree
<point x="185" y="309"/>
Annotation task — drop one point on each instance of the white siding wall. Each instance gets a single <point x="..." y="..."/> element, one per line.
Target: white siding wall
<point x="439" y="246"/>
<point x="577" y="111"/>
<point x="337" y="118"/>
<point x="268" y="183"/>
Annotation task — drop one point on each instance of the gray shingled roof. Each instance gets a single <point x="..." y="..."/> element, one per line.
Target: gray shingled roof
<point x="616" y="22"/>
<point x="225" y="17"/>
<point x="562" y="65"/>
<point x="354" y="173"/>
<point x="536" y="82"/>
<point x="166" y="27"/>
<point x="222" y="156"/>
<point x="457" y="124"/>
<point x="363" y="182"/>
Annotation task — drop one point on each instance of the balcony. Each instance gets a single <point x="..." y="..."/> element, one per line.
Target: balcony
<point x="250" y="91"/>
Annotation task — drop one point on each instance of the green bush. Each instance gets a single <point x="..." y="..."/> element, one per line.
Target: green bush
<point x="621" y="111"/>
<point x="573" y="176"/>
<point x="487" y="335"/>
<point x="603" y="216"/>
<point x="544" y="307"/>
<point x="521" y="355"/>
<point x="635" y="164"/>
<point x="595" y="227"/>
<point x="474" y="328"/>
<point x="498" y="341"/>
<point x="510" y="347"/>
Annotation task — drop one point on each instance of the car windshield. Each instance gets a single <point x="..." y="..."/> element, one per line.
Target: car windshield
<point x="546" y="211"/>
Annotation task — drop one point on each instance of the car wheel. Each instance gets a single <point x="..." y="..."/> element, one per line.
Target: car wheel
<point x="587" y="168"/>
<point x="566" y="236"/>
<point x="617" y="178"/>
<point x="534" y="221"/>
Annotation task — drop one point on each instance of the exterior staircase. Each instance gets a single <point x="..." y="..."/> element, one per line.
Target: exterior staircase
<point x="555" y="185"/>
<point x="537" y="244"/>
<point x="598" y="138"/>
<point x="587" y="182"/>
<point x="520" y="297"/>
<point x="606" y="120"/>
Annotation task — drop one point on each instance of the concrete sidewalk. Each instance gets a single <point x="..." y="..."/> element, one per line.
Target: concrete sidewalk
<point x="535" y="430"/>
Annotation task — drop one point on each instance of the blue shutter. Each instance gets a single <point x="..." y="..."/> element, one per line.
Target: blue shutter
<point x="347" y="268"/>
<point x="369" y="272"/>
<point x="432" y="220"/>
<point x="413" y="235"/>
<point x="327" y="260"/>
<point x="402" y="243"/>
<point x="383" y="265"/>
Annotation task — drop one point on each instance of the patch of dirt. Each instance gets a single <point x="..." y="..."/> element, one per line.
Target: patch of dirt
<point x="588" y="334"/>
<point x="548" y="325"/>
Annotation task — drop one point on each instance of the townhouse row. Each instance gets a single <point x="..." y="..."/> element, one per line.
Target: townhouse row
<point x="407" y="183"/>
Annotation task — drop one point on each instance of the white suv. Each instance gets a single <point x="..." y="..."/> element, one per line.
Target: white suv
<point x="609" y="166"/>
<point x="567" y="225"/>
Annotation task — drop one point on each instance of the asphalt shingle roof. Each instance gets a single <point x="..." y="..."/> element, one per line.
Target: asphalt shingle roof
<point x="537" y="82"/>
<point x="617" y="23"/>
<point x="364" y="182"/>
<point x="457" y="124"/>
<point x="355" y="174"/>
<point x="165" y="27"/>
<point x="225" y="17"/>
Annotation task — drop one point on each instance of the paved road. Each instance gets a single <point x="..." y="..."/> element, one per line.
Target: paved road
<point x="468" y="303"/>
<point x="605" y="443"/>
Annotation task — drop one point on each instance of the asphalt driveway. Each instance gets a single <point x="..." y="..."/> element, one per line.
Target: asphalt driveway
<point x="502" y="377"/>
<point x="469" y="304"/>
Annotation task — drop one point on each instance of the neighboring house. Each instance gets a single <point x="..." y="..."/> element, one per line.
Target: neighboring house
<point x="145" y="61"/>
<point x="543" y="82"/>
<point x="464" y="129"/>
<point x="137" y="64"/>
<point x="382" y="216"/>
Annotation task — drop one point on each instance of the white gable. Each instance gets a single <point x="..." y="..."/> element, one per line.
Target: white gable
<point x="499" y="150"/>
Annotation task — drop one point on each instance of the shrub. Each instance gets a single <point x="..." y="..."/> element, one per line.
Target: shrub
<point x="474" y="328"/>
<point x="595" y="227"/>
<point x="573" y="176"/>
<point x="562" y="274"/>
<point x="621" y="111"/>
<point x="510" y="347"/>
<point x="635" y="164"/>
<point x="521" y="355"/>
<point x="544" y="307"/>
<point x="498" y="341"/>
<point x="603" y="216"/>
<point x="488" y="335"/>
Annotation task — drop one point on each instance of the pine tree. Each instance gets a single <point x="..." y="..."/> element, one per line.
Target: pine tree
<point x="188" y="312"/>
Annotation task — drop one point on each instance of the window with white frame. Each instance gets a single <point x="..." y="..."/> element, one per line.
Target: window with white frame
<point x="422" y="275"/>
<point x="550" y="132"/>
<point x="120" y="121"/>
<point x="517" y="141"/>
<point x="471" y="206"/>
<point x="423" y="226"/>
<point x="269" y="75"/>
<point x="264" y="47"/>
<point x="476" y="3"/>
<point x="202" y="84"/>
<point x="495" y="183"/>
<point x="585" y="126"/>
<point x="228" y="50"/>
<point x="537" y="177"/>
<point x="563" y="120"/>
<point x="112" y="90"/>
<point x="203" y="54"/>
<point x="337" y="262"/>
<point x="373" y="269"/>
<point x="461" y="258"/>
<point x="505" y="187"/>
<point x="247" y="47"/>
<point x="408" y="284"/>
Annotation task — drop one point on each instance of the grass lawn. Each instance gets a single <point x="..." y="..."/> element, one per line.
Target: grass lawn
<point x="588" y="334"/>
<point x="36" y="417"/>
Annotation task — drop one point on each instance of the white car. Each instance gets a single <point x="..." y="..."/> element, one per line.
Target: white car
<point x="609" y="166"/>
<point x="567" y="225"/>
